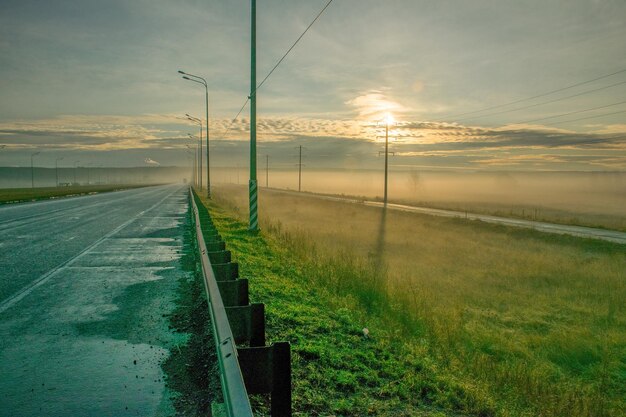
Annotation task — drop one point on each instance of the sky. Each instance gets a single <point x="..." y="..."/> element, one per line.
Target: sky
<point x="469" y="85"/>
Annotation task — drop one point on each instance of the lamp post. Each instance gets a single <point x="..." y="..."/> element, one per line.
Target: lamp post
<point x="192" y="156"/>
<point x="198" y="146"/>
<point x="199" y="122"/>
<point x="56" y="168"/>
<point x="32" y="169"/>
<point x="202" y="81"/>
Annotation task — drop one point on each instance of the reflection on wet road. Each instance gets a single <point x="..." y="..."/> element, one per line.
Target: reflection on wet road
<point x="84" y="286"/>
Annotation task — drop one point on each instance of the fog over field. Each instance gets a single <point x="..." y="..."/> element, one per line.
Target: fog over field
<point x="599" y="197"/>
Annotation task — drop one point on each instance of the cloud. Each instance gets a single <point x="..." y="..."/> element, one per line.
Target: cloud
<point x="373" y="105"/>
<point x="337" y="142"/>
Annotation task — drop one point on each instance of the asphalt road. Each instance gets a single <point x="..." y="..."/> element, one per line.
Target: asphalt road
<point x="580" y="231"/>
<point x="85" y="284"/>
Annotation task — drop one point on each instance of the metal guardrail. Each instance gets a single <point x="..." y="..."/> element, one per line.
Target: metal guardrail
<point x="254" y="369"/>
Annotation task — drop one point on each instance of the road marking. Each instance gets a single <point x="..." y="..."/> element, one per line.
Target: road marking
<point x="10" y="302"/>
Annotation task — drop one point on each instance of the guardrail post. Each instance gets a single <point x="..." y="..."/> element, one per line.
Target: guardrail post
<point x="227" y="271"/>
<point x="234" y="292"/>
<point x="266" y="370"/>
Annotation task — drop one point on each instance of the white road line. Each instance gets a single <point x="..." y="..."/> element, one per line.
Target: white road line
<point x="5" y="305"/>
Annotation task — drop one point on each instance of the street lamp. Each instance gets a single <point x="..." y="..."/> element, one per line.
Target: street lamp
<point x="32" y="169"/>
<point x="199" y="122"/>
<point x="194" y="154"/>
<point x="197" y="173"/>
<point x="56" y="168"/>
<point x="202" y="81"/>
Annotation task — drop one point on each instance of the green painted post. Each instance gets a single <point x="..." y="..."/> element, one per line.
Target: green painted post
<point x="254" y="221"/>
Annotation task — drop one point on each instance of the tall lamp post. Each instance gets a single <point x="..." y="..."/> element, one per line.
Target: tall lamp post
<point x="192" y="154"/>
<point x="32" y="169"/>
<point x="202" y="81"/>
<point x="56" y="168"/>
<point x="198" y="147"/>
<point x="199" y="122"/>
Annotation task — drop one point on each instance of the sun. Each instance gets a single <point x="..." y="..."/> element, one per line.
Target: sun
<point x="389" y="119"/>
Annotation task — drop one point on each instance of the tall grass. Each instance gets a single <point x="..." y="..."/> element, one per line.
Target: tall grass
<point x="537" y="321"/>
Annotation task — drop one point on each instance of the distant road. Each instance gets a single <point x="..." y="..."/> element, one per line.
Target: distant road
<point x="580" y="231"/>
<point x="85" y="284"/>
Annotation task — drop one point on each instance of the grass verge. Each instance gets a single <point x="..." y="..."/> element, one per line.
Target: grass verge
<point x="337" y="368"/>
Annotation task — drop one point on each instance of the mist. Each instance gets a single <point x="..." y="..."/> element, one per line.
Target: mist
<point x="602" y="193"/>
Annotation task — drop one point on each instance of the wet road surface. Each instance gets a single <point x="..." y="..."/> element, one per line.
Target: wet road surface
<point x="85" y="284"/>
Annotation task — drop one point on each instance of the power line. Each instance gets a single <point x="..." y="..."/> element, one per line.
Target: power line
<point x="545" y="102"/>
<point x="585" y="118"/>
<point x="282" y="59"/>
<point x="537" y="96"/>
<point x="574" y="112"/>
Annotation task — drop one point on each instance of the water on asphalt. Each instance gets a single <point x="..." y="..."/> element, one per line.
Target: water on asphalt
<point x="85" y="287"/>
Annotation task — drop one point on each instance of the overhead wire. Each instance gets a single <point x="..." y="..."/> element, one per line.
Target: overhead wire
<point x="536" y="96"/>
<point x="281" y="60"/>
<point x="574" y="112"/>
<point x="585" y="118"/>
<point x="544" y="102"/>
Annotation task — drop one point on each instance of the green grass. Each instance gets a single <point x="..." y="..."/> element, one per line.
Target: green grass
<point x="336" y="369"/>
<point x="16" y="195"/>
<point x="491" y="320"/>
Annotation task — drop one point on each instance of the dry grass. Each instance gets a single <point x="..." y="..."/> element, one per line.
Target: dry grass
<point x="537" y="320"/>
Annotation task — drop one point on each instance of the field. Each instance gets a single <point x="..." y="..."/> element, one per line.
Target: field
<point x="14" y="195"/>
<point x="521" y="323"/>
<point x="595" y="199"/>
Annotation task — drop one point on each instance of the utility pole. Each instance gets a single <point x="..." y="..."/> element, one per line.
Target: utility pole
<point x="300" y="169"/>
<point x="254" y="220"/>
<point x="267" y="170"/>
<point x="75" y="168"/>
<point x="56" y="168"/>
<point x="388" y="120"/>
<point x="300" y="165"/>
<point x="386" y="158"/>
<point x="32" y="169"/>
